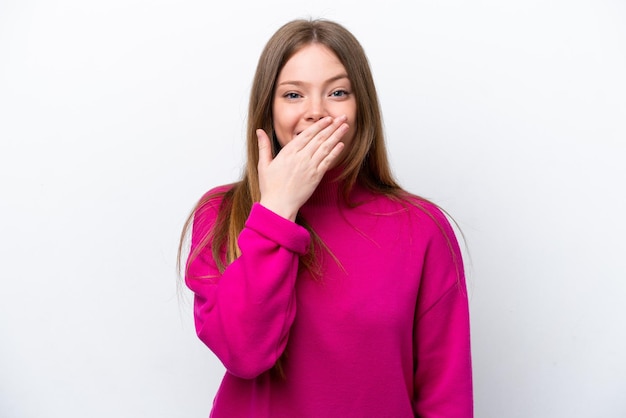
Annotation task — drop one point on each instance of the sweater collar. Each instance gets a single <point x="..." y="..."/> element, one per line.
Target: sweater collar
<point x="328" y="191"/>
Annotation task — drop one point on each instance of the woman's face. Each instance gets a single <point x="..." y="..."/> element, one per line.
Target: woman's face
<point x="312" y="84"/>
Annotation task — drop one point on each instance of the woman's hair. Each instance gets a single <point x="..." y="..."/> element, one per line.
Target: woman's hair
<point x="366" y="161"/>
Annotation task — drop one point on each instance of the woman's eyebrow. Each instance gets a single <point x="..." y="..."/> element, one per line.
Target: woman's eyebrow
<point x="302" y="83"/>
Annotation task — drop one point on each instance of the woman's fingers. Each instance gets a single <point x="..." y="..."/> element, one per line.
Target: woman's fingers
<point x="326" y="148"/>
<point x="328" y="159"/>
<point x="300" y="141"/>
<point x="317" y="141"/>
<point x="314" y="143"/>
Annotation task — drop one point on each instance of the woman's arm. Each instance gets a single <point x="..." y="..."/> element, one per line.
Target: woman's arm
<point x="244" y="315"/>
<point x="443" y="371"/>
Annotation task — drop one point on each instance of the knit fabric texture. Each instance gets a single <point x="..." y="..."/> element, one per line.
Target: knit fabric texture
<point x="383" y="331"/>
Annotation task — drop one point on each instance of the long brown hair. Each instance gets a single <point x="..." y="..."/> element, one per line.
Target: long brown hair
<point x="366" y="162"/>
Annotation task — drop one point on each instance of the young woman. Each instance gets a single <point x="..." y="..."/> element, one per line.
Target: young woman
<point x="325" y="289"/>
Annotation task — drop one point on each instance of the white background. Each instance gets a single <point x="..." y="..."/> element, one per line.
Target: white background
<point x="115" y="117"/>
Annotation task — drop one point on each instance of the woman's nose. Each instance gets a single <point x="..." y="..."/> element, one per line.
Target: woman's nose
<point x="316" y="110"/>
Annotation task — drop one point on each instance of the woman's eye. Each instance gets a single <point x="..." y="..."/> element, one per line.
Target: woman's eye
<point x="292" y="95"/>
<point x="339" y="93"/>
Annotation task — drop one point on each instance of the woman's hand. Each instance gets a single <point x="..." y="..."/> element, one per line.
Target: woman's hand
<point x="287" y="181"/>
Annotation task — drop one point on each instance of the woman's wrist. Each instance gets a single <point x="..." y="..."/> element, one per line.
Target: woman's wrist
<point x="280" y="209"/>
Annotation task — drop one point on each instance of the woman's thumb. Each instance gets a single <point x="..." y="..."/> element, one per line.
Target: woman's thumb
<point x="265" y="148"/>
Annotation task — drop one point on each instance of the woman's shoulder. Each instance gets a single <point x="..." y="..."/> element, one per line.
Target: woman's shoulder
<point x="422" y="213"/>
<point x="406" y="201"/>
<point x="219" y="192"/>
<point x="214" y="197"/>
<point x="208" y="207"/>
<point x="424" y="206"/>
<point x="435" y="219"/>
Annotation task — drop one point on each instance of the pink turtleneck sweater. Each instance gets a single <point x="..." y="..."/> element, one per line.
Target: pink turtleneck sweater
<point x="384" y="332"/>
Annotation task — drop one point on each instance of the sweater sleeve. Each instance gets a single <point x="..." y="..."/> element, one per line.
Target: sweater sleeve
<point x="244" y="314"/>
<point x="443" y="372"/>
